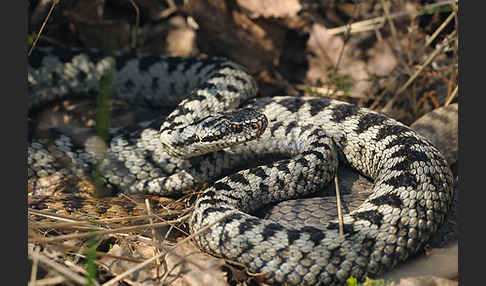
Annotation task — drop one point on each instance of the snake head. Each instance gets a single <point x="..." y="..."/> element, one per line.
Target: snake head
<point x="214" y="133"/>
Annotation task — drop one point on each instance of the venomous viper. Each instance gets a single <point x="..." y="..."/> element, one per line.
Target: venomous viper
<point x="299" y="141"/>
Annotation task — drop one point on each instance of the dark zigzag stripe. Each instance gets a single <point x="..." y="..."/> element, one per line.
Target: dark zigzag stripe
<point x="210" y="88"/>
<point x="239" y="178"/>
<point x="232" y="88"/>
<point x="241" y="80"/>
<point x="213" y="201"/>
<point x="275" y="127"/>
<point x="222" y="186"/>
<point x="283" y="166"/>
<point x="369" y="120"/>
<point x="315" y="153"/>
<point x="403" y="180"/>
<point x="145" y="63"/>
<point x="405" y="141"/>
<point x="270" y="229"/>
<point x="189" y="140"/>
<point x="343" y="111"/>
<point x="173" y="63"/>
<point x="388" y="130"/>
<point x="388" y="199"/>
<point x="410" y="158"/>
<point x="263" y="188"/>
<point x="316" y="235"/>
<point x="372" y="216"/>
<point x="200" y="68"/>
<point x="290" y="126"/>
<point x="189" y="63"/>
<point x="318" y="105"/>
<point x="347" y="228"/>
<point x="195" y="97"/>
<point x="302" y="161"/>
<point x="319" y="144"/>
<point x="259" y="172"/>
<point x="306" y="127"/>
<point x="210" y="194"/>
<point x="292" y="104"/>
<point x="247" y="225"/>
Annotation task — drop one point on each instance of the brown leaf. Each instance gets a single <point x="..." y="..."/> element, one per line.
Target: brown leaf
<point x="381" y="61"/>
<point x="324" y="52"/>
<point x="193" y="267"/>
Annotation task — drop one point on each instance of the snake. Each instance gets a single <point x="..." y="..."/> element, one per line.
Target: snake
<point x="252" y="151"/>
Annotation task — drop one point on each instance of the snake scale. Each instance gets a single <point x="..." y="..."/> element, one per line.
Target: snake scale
<point x="296" y="144"/>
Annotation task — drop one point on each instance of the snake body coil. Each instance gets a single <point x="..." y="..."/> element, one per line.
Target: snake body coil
<point x="307" y="135"/>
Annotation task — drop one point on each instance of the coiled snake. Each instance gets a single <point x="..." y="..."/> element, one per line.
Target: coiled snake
<point x="304" y="136"/>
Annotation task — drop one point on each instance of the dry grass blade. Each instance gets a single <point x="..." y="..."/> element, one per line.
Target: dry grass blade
<point x="67" y="273"/>
<point x="35" y="263"/>
<point x="92" y="223"/>
<point x="80" y="250"/>
<point x="427" y="62"/>
<point x="386" y="9"/>
<point x="103" y="232"/>
<point x="53" y="216"/>
<point x="137" y="24"/>
<point x="49" y="281"/>
<point x="372" y="24"/>
<point x="154" y="234"/>
<point x="339" y="208"/>
<point x="451" y="96"/>
<point x="441" y="27"/>
<point x="54" y="3"/>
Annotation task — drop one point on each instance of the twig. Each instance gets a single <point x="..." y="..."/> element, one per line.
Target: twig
<point x="154" y="235"/>
<point x="102" y="232"/>
<point x="372" y="24"/>
<point x="441" y="27"/>
<point x="451" y="96"/>
<point x="393" y="30"/>
<point x="59" y="268"/>
<point x="69" y="220"/>
<point x="54" y="3"/>
<point x="90" y="223"/>
<point x="35" y="263"/>
<point x="419" y="71"/>
<point x="50" y="281"/>
<point x="137" y="24"/>
<point x="339" y="208"/>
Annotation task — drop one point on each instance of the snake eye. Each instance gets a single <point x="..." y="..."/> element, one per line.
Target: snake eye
<point x="236" y="128"/>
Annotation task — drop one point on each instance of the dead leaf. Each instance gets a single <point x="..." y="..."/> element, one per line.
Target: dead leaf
<point x="324" y="52"/>
<point x="194" y="267"/>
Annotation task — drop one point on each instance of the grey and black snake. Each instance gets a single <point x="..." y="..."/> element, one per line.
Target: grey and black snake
<point x="299" y="150"/>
